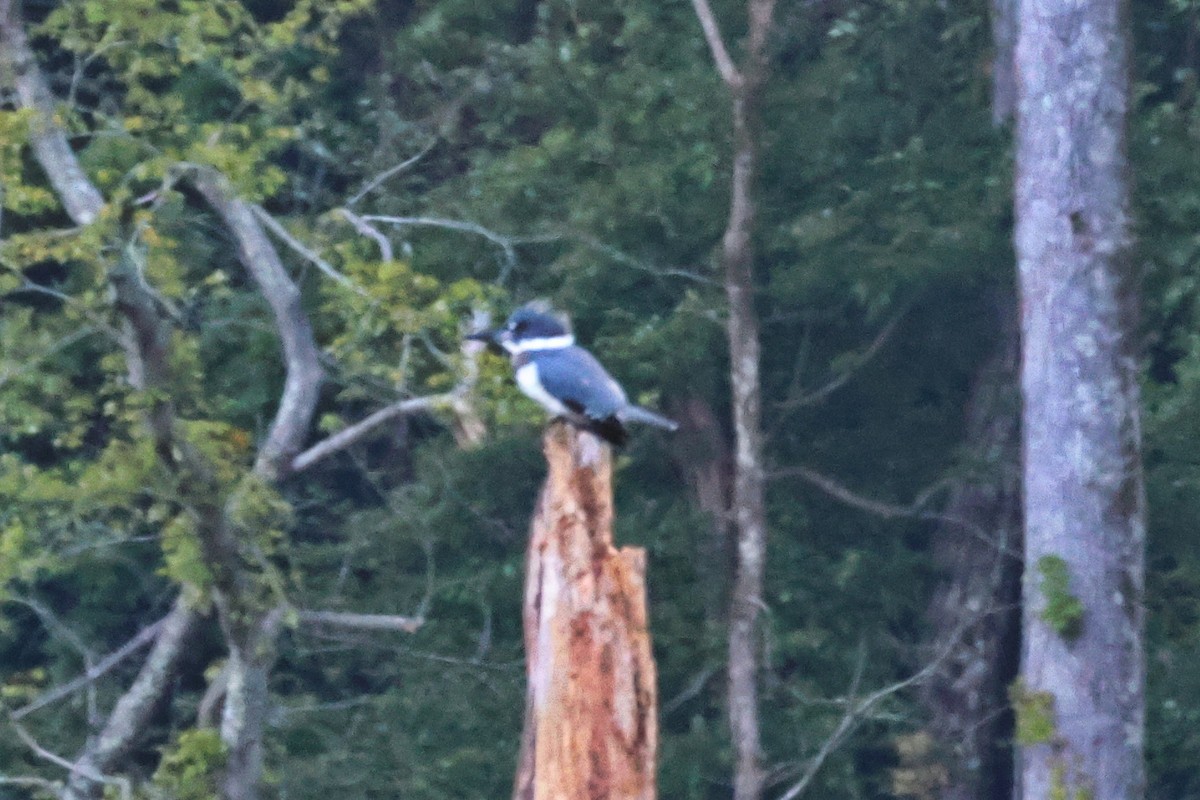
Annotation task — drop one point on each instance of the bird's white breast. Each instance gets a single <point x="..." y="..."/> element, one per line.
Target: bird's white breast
<point x="527" y="380"/>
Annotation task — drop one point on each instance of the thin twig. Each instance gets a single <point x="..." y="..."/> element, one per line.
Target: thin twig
<point x="817" y="395"/>
<point x="505" y="243"/>
<point x="96" y="671"/>
<point x="275" y="227"/>
<point x="390" y="172"/>
<point x="54" y="758"/>
<point x="856" y="712"/>
<point x="888" y="510"/>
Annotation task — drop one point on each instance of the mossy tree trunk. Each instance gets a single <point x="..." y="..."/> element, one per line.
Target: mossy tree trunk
<point x="1080" y="716"/>
<point x="590" y="726"/>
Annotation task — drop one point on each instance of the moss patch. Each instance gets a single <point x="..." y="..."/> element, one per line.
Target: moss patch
<point x="1063" y="611"/>
<point x="1034" y="712"/>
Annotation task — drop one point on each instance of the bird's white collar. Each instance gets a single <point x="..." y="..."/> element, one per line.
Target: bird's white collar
<point x="542" y="343"/>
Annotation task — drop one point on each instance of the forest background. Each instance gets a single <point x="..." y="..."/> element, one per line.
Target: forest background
<point x="410" y="165"/>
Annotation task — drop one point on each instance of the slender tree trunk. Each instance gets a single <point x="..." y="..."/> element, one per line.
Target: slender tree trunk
<point x="749" y="496"/>
<point x="975" y="609"/>
<point x="1080" y="699"/>
<point x="590" y="716"/>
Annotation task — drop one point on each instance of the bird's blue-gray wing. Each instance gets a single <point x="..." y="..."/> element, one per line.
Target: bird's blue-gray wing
<point x="574" y="376"/>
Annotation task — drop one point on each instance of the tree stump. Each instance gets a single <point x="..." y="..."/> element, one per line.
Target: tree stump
<point x="591" y="730"/>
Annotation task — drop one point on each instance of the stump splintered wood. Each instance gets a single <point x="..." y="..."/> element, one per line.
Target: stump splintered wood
<point x="590" y="717"/>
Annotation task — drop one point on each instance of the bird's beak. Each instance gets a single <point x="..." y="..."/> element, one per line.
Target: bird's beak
<point x="495" y="340"/>
<point x="482" y="336"/>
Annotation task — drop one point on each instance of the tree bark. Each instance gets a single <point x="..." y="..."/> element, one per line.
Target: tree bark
<point x="590" y="715"/>
<point x="132" y="712"/>
<point x="79" y="196"/>
<point x="1004" y="67"/>
<point x="975" y="610"/>
<point x="1080" y="700"/>
<point x="749" y="476"/>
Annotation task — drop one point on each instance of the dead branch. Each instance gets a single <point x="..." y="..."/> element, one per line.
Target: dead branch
<point x="856" y="712"/>
<point x="796" y="398"/>
<point x="337" y="442"/>
<point x="507" y="244"/>
<point x="54" y="758"/>
<point x="131" y="715"/>
<point x="365" y="622"/>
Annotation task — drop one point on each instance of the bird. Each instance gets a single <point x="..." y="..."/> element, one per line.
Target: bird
<point x="566" y="379"/>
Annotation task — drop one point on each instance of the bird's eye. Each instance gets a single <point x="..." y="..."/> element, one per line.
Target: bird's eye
<point x="520" y="326"/>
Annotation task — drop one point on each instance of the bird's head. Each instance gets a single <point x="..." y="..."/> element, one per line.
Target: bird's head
<point x="528" y="329"/>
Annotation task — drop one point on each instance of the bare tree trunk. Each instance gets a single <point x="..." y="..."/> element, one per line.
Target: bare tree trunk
<point x="590" y="726"/>
<point x="1080" y="699"/>
<point x="975" y="612"/>
<point x="749" y="497"/>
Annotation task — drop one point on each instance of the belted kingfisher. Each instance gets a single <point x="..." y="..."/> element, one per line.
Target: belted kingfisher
<point x="565" y="379"/>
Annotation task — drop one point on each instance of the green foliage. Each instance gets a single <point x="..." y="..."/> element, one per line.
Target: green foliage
<point x="190" y="768"/>
<point x="591" y="139"/>
<point x="1062" y="611"/>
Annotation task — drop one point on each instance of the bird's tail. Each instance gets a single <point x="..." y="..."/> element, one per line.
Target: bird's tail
<point x="632" y="413"/>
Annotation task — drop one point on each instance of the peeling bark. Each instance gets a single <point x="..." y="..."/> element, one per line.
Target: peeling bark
<point x="590" y="726"/>
<point x="1082" y="667"/>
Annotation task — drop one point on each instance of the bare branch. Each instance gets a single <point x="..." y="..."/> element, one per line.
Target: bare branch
<point x="712" y="34"/>
<point x="82" y="201"/>
<point x="276" y="228"/>
<point x="32" y="782"/>
<point x="54" y="758"/>
<point x="366" y="622"/>
<point x="93" y="673"/>
<point x="96" y="321"/>
<point x="372" y="184"/>
<point x="131" y="715"/>
<point x="53" y="624"/>
<point x="856" y="712"/>
<point x="796" y="400"/>
<point x="298" y="401"/>
<point x="623" y="258"/>
<point x="505" y="243"/>
<point x="348" y="436"/>
<point x="888" y="510"/>
<point x="385" y="246"/>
